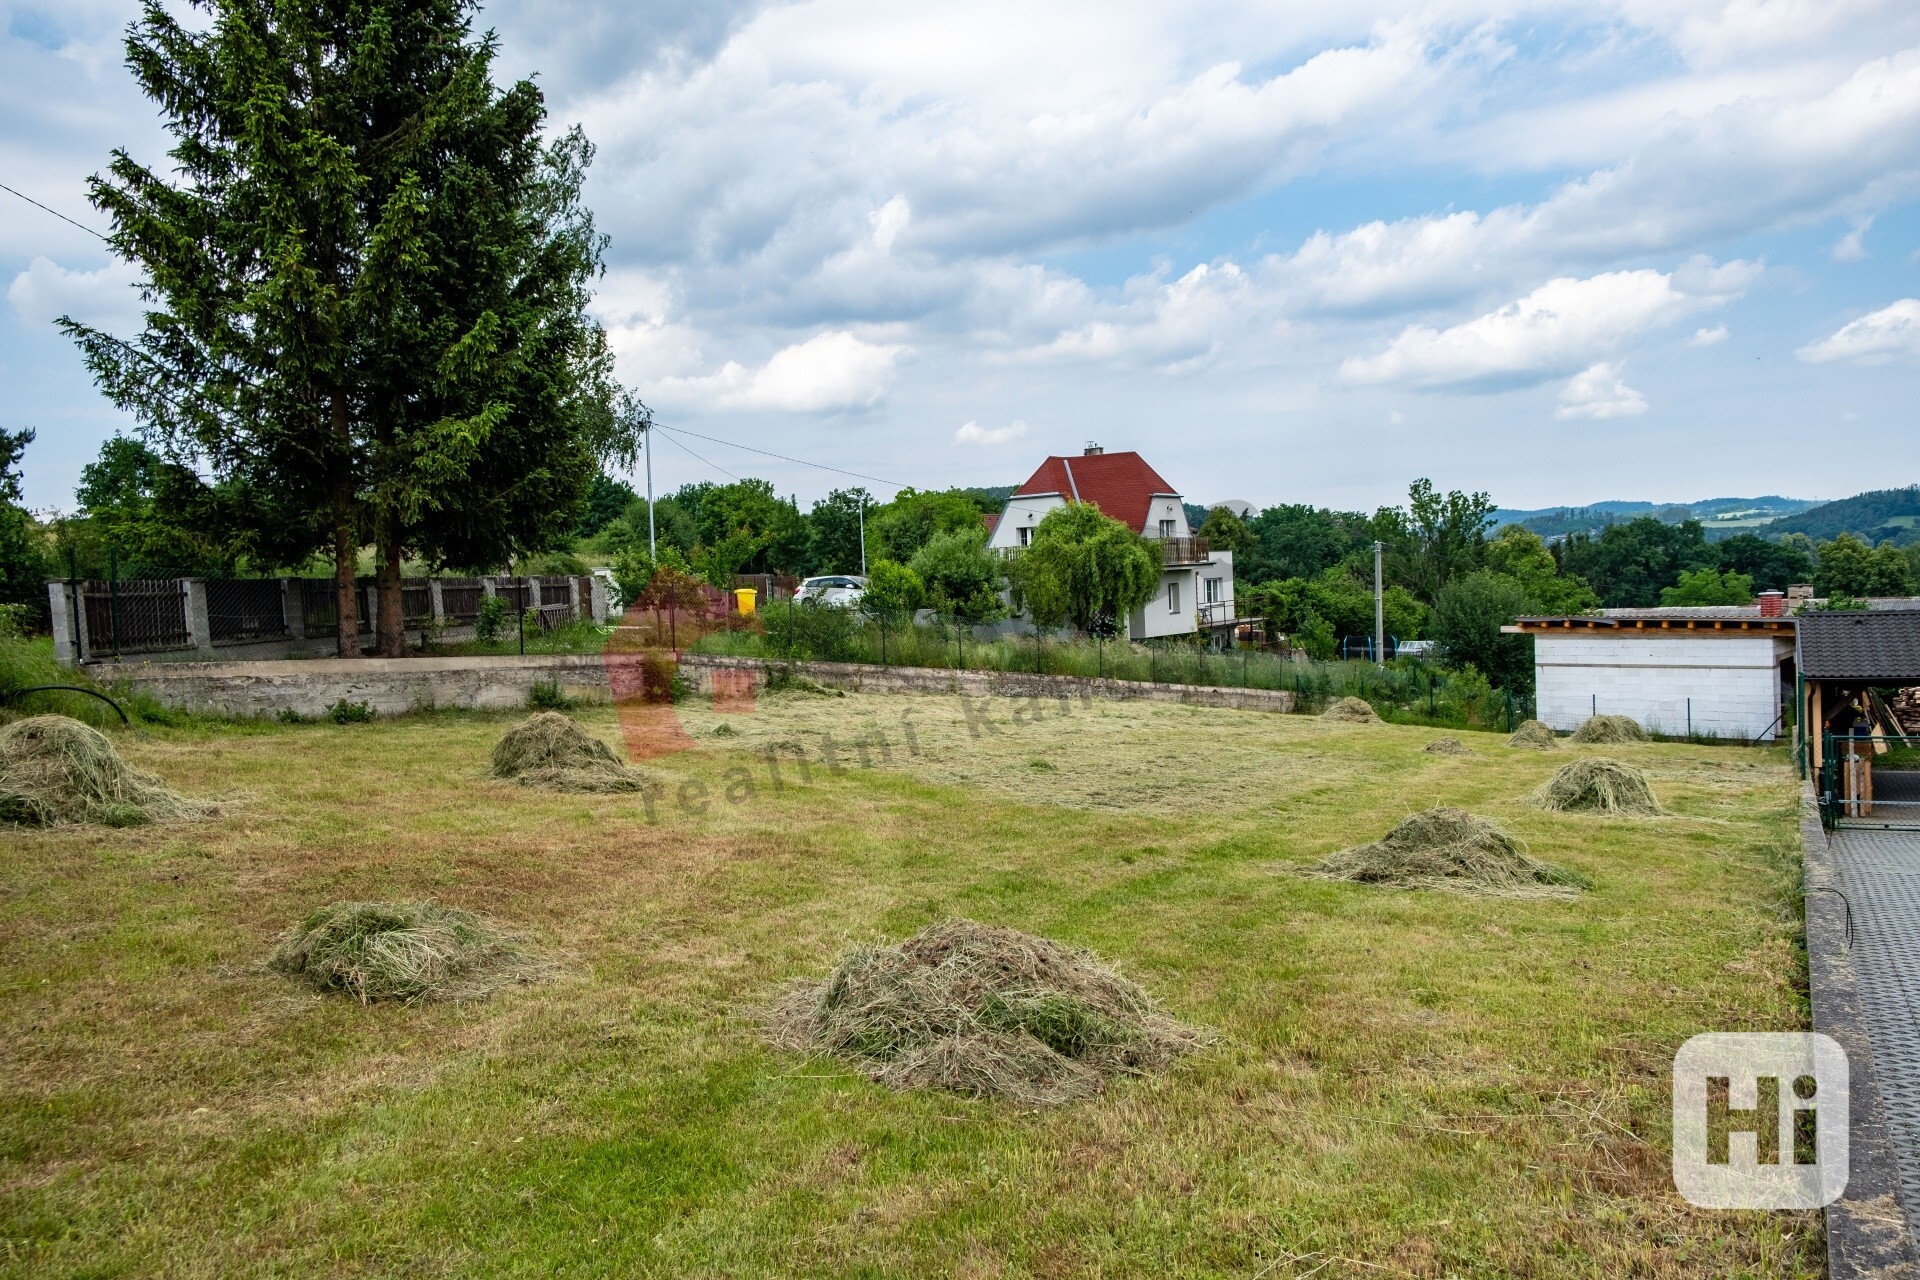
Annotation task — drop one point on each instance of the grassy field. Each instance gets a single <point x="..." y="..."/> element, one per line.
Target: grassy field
<point x="1406" y="1083"/>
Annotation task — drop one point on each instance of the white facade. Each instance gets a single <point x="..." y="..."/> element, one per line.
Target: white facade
<point x="1186" y="591"/>
<point x="1725" y="684"/>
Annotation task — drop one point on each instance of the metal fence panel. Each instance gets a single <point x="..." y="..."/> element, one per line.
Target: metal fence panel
<point x="460" y="600"/>
<point x="320" y="607"/>
<point x="416" y="602"/>
<point x="136" y="615"/>
<point x="242" y="610"/>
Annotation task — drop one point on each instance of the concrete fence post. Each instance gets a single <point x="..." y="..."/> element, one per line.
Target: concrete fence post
<point x="293" y="607"/>
<point x="486" y="587"/>
<point x="373" y="610"/>
<point x="573" y="596"/>
<point x="437" y="603"/>
<point x="60" y="602"/>
<point x="597" y="592"/>
<point x="199" y="627"/>
<point x="533" y="592"/>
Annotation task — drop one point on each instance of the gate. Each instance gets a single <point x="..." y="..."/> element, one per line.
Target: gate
<point x="1869" y="780"/>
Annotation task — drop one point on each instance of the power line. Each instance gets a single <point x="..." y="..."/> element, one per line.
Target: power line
<point x="716" y="466"/>
<point x="783" y="457"/>
<point x="55" y="212"/>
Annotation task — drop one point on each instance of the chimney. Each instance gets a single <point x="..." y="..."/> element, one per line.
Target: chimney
<point x="1092" y="449"/>
<point x="1773" y="604"/>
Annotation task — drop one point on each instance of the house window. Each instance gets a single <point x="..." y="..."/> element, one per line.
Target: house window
<point x="1213" y="590"/>
<point x="1173" y="597"/>
<point x="1026" y="535"/>
<point x="1166" y="528"/>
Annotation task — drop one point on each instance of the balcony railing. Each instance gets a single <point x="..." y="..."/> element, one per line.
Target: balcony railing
<point x="1183" y="550"/>
<point x="1216" y="613"/>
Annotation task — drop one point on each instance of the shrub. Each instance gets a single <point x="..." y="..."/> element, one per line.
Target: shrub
<point x="546" y="695"/>
<point x="491" y="621"/>
<point x="344" y="712"/>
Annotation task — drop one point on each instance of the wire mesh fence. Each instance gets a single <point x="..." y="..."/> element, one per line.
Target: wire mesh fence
<point x="460" y="600"/>
<point x="136" y="615"/>
<point x="241" y="610"/>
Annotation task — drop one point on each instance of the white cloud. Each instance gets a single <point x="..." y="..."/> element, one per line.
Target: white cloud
<point x="1563" y="325"/>
<point x="829" y="371"/>
<point x="1851" y="247"/>
<point x="107" y="298"/>
<point x="974" y="433"/>
<point x="1708" y="337"/>
<point x="1880" y="337"/>
<point x="1597" y="393"/>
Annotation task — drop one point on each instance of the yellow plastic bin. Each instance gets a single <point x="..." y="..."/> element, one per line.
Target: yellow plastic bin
<point x="747" y="598"/>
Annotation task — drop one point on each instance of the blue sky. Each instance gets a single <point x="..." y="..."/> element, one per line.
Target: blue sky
<point x="1291" y="252"/>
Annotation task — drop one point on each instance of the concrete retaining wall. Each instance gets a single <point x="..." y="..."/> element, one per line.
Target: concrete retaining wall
<point x="395" y="685"/>
<point x="983" y="684"/>
<point x="390" y="686"/>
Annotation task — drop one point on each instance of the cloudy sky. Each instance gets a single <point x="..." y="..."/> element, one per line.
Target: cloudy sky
<point x="1662" y="249"/>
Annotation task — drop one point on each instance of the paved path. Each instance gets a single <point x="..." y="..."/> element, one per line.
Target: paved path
<point x="1879" y="871"/>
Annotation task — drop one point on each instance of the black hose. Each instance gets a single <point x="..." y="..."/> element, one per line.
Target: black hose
<point x="68" y="688"/>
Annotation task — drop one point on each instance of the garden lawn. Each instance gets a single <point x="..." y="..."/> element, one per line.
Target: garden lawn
<point x="1406" y="1083"/>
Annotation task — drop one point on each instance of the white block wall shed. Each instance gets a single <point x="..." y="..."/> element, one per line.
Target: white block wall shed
<point x="1724" y="672"/>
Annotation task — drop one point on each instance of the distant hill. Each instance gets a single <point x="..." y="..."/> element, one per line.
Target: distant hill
<point x="1718" y="514"/>
<point x="1873" y="517"/>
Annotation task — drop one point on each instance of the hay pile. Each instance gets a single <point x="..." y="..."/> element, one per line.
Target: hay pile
<point x="1612" y="730"/>
<point x="552" y="752"/>
<point x="1351" y="711"/>
<point x="1446" y="747"/>
<point x="54" y="770"/>
<point x="1598" y="785"/>
<point x="406" y="951"/>
<point x="1450" y="849"/>
<point x="1534" y="734"/>
<point x="984" y="1011"/>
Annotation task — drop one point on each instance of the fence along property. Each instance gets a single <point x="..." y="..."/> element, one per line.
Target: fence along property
<point x="272" y="617"/>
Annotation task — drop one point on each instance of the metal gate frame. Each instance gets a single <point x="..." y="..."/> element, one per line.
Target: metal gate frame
<point x="1847" y="796"/>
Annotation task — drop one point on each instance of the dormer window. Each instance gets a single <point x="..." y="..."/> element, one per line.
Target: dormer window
<point x="1166" y="528"/>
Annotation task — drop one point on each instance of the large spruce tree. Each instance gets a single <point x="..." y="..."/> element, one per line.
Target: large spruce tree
<point x="367" y="273"/>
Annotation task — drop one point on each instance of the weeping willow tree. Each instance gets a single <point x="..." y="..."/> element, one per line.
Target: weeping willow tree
<point x="366" y="271"/>
<point x="1087" y="569"/>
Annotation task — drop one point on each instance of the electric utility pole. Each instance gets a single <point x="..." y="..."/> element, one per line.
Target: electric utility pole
<point x="1379" y="612"/>
<point x="652" y="552"/>
<point x="863" y="534"/>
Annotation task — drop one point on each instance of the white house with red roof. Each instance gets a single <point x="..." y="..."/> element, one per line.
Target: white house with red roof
<point x="1196" y="584"/>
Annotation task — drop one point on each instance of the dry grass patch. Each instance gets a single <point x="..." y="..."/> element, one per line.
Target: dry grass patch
<point x="1610" y="730"/>
<point x="1446" y="848"/>
<point x="1598" y="785"/>
<point x="405" y="951"/>
<point x="553" y="753"/>
<point x="985" y="1011"/>
<point x="1535" y="735"/>
<point x="55" y="770"/>
<point x="1447" y="747"/>
<point x="1351" y="711"/>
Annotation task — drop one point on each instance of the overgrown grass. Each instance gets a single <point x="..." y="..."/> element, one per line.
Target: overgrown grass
<point x="583" y="636"/>
<point x="27" y="662"/>
<point x="1421" y="1083"/>
<point x="1404" y="691"/>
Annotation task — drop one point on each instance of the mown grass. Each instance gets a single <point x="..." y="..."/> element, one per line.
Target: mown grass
<point x="1407" y="1083"/>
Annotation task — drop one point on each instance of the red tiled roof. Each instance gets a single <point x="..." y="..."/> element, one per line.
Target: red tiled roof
<point x="1120" y="484"/>
<point x="993" y="522"/>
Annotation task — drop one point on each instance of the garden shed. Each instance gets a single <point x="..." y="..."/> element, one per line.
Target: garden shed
<point x="1725" y="671"/>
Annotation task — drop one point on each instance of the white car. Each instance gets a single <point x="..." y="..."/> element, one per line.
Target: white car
<point x="843" y="589"/>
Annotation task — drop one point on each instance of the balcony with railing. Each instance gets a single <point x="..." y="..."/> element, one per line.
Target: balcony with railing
<point x="1183" y="550"/>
